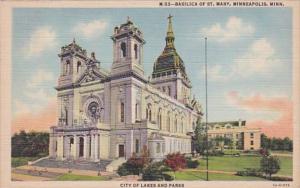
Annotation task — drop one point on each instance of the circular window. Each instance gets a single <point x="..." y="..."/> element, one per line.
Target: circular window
<point x="93" y="110"/>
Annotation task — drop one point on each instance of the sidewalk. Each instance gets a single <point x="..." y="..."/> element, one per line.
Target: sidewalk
<point x="64" y="170"/>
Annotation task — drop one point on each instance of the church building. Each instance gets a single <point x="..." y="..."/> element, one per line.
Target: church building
<point x="111" y="114"/>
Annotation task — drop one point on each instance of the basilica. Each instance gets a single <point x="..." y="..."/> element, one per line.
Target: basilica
<point x="111" y="114"/>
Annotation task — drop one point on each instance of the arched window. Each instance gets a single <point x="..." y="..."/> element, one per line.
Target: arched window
<point x="149" y="112"/>
<point x="135" y="51"/>
<point x="175" y="124"/>
<point x="169" y="90"/>
<point x="182" y="131"/>
<point x="168" y="122"/>
<point x="136" y="111"/>
<point x="67" y="67"/>
<point x="78" y="66"/>
<point x="122" y="111"/>
<point x="123" y="49"/>
<point x="137" y="146"/>
<point x="66" y="118"/>
<point x="159" y="118"/>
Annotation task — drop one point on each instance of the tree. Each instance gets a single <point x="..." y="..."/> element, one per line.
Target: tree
<point x="270" y="165"/>
<point x="199" y="138"/>
<point x="32" y="144"/>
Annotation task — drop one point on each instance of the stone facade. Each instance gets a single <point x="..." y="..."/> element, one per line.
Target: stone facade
<point x="113" y="114"/>
<point x="243" y="138"/>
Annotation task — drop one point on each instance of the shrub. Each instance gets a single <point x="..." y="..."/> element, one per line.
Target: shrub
<point x="175" y="161"/>
<point x="216" y="153"/>
<point x="168" y="177"/>
<point x="191" y="163"/>
<point x="134" y="165"/>
<point x="122" y="170"/>
<point x="250" y="172"/>
<point x="155" y="172"/>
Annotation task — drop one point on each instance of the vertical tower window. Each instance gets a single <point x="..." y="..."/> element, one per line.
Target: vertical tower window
<point x="169" y="90"/>
<point x="78" y="66"/>
<point x="137" y="146"/>
<point x="135" y="51"/>
<point x="123" y="49"/>
<point x="67" y="68"/>
<point x="66" y="112"/>
<point x="136" y="111"/>
<point x="122" y="111"/>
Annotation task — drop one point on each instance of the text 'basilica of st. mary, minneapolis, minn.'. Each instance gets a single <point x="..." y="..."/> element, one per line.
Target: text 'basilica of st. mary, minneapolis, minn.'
<point x="113" y="114"/>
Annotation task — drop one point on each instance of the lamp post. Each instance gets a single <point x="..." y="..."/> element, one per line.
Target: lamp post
<point x="206" y="109"/>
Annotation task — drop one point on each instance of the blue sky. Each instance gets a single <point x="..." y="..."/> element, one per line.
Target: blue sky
<point x="249" y="52"/>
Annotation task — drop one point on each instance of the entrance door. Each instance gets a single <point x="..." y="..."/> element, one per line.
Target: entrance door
<point x="81" y="146"/>
<point x="121" y="150"/>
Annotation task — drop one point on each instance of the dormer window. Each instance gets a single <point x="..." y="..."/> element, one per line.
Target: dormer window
<point x="123" y="49"/>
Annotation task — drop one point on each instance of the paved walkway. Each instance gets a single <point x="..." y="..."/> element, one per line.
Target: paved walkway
<point x="23" y="177"/>
<point x="64" y="170"/>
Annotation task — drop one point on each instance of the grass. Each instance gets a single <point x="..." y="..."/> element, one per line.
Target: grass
<point x="233" y="164"/>
<point x="74" y="177"/>
<point x="20" y="161"/>
<point x="192" y="175"/>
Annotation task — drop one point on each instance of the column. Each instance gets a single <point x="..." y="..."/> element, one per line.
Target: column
<point x="99" y="147"/>
<point x="60" y="147"/>
<point x="51" y="145"/>
<point x="96" y="147"/>
<point x="93" y="147"/>
<point x="75" y="150"/>
<point x="86" y="149"/>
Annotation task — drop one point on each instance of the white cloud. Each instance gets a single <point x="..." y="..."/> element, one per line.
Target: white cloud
<point x="36" y="94"/>
<point x="91" y="29"/>
<point x="234" y="29"/>
<point x="41" y="39"/>
<point x="39" y="78"/>
<point x="216" y="72"/>
<point x="260" y="58"/>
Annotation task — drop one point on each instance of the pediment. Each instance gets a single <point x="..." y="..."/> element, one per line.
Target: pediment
<point x="90" y="76"/>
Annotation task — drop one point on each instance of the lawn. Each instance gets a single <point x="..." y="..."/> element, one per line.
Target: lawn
<point x="20" y="161"/>
<point x="201" y="176"/>
<point x="233" y="164"/>
<point x="74" y="177"/>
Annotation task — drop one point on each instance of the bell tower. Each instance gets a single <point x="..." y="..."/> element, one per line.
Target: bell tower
<point x="127" y="49"/>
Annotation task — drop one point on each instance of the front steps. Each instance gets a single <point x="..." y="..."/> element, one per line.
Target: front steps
<point x="114" y="165"/>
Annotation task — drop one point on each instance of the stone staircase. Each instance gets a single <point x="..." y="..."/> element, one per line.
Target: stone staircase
<point x="74" y="164"/>
<point x="113" y="166"/>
